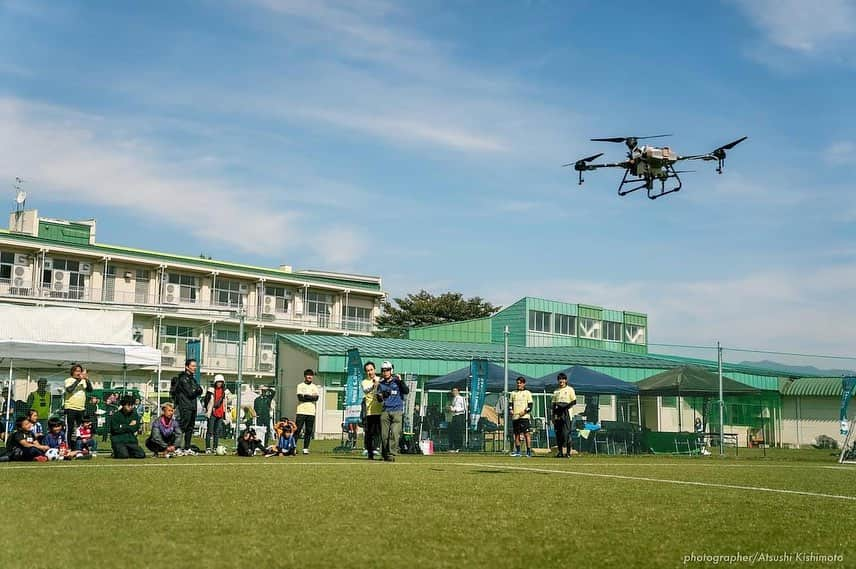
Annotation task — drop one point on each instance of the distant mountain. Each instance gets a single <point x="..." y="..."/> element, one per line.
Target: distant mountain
<point x="799" y="370"/>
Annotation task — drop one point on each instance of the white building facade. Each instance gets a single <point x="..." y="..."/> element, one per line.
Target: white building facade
<point x="175" y="299"/>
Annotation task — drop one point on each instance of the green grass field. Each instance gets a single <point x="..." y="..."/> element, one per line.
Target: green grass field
<point x="468" y="510"/>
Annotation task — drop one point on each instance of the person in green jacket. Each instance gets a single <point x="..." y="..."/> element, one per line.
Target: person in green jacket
<point x="124" y="425"/>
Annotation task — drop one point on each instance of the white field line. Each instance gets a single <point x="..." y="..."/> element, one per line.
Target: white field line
<point x="132" y="463"/>
<point x="661" y="480"/>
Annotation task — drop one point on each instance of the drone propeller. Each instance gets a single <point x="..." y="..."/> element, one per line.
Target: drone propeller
<point x="583" y="161"/>
<point x="717" y="154"/>
<point x="627" y="138"/>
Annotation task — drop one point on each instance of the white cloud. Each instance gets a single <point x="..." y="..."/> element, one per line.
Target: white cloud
<point x="372" y="74"/>
<point x="67" y="156"/>
<point x="841" y="153"/>
<point x="803" y="311"/>
<point x="800" y="26"/>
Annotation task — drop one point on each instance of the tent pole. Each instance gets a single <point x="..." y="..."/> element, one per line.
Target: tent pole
<point x="546" y="424"/>
<point x="721" y="402"/>
<point x="505" y="399"/>
<point x="9" y="398"/>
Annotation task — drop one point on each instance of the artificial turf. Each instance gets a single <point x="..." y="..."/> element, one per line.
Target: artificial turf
<point x="468" y="510"/>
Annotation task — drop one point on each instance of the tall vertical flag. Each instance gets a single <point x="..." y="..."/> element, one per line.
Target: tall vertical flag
<point x="353" y="393"/>
<point x="478" y="387"/>
<point x="193" y="351"/>
<point x="847" y="385"/>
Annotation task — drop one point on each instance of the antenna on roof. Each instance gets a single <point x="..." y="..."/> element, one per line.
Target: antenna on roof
<point x="20" y="195"/>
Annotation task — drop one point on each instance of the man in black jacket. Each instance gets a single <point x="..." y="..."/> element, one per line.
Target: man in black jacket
<point x="185" y="390"/>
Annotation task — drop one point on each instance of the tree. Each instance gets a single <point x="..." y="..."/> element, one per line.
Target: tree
<point x="423" y="309"/>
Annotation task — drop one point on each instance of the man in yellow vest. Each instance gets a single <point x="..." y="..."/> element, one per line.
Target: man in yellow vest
<point x="40" y="401"/>
<point x="307" y="396"/>
<point x="521" y="402"/>
<point x="373" y="408"/>
<point x="564" y="398"/>
<point x="74" y="399"/>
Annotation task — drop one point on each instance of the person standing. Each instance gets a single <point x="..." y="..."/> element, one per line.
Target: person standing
<point x="124" y="425"/>
<point x="307" y="395"/>
<point x="216" y="411"/>
<point x="564" y="398"/>
<point x="262" y="406"/>
<point x="185" y="391"/>
<point x="74" y="399"/>
<point x="520" y="402"/>
<point x="390" y="391"/>
<point x="458" y="408"/>
<point x="373" y="409"/>
<point x="40" y="401"/>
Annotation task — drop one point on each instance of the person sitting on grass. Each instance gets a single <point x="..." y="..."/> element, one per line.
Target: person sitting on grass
<point x="123" y="427"/>
<point x="38" y="431"/>
<point x="165" y="434"/>
<point x="22" y="445"/>
<point x="286" y="444"/>
<point x="56" y="442"/>
<point x="248" y="444"/>
<point x="84" y="438"/>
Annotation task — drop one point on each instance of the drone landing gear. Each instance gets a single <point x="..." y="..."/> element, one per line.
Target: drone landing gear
<point x="648" y="183"/>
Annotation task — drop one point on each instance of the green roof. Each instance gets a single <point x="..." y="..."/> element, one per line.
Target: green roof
<point x="198" y="261"/>
<point x="814" y="387"/>
<point x="393" y="348"/>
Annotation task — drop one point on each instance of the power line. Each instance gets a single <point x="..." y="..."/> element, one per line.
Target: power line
<point x="751" y="351"/>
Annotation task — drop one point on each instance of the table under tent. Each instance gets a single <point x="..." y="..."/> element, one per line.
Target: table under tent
<point x="590" y="433"/>
<point x="694" y="391"/>
<point x="489" y="432"/>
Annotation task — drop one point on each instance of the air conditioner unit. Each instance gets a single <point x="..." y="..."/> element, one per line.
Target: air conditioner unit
<point x="266" y="358"/>
<point x="269" y="305"/>
<point x="21" y="260"/>
<point x="85" y="269"/>
<point x="170" y="293"/>
<point x="164" y="385"/>
<point x="168" y="350"/>
<point x="48" y="264"/>
<point x="298" y="306"/>
<point x="243" y="288"/>
<point x="22" y="277"/>
<point x="59" y="281"/>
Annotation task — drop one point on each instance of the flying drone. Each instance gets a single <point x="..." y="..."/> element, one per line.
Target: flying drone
<point x="646" y="165"/>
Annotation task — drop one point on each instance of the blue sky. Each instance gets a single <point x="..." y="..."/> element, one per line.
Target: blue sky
<point x="422" y="141"/>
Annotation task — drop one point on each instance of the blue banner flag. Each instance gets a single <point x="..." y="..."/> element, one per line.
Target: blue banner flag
<point x="353" y="391"/>
<point x="193" y="351"/>
<point x="478" y="386"/>
<point x="847" y="385"/>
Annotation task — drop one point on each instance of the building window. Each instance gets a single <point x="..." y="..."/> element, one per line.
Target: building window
<point x="6" y="262"/>
<point x="224" y="349"/>
<point x="357" y="318"/>
<point x="188" y="289"/>
<point x="566" y="325"/>
<point x="634" y="334"/>
<point x="141" y="286"/>
<point x="590" y="328"/>
<point x="228" y="292"/>
<point x="110" y="284"/>
<point x="612" y="331"/>
<point x="63" y="279"/>
<point x="280" y="296"/>
<point x="320" y="305"/>
<point x="173" y="340"/>
<point x="539" y="321"/>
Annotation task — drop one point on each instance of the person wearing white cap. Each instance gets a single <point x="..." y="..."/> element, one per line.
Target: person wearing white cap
<point x="390" y="391"/>
<point x="217" y="410"/>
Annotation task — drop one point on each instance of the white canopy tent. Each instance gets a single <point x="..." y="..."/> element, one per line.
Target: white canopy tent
<point x="43" y="337"/>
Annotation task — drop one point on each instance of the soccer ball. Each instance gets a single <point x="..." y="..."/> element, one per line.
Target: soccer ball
<point x="220" y="450"/>
<point x="52" y="454"/>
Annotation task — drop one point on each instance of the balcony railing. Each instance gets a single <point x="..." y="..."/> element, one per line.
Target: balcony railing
<point x="224" y="363"/>
<point x="150" y="300"/>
